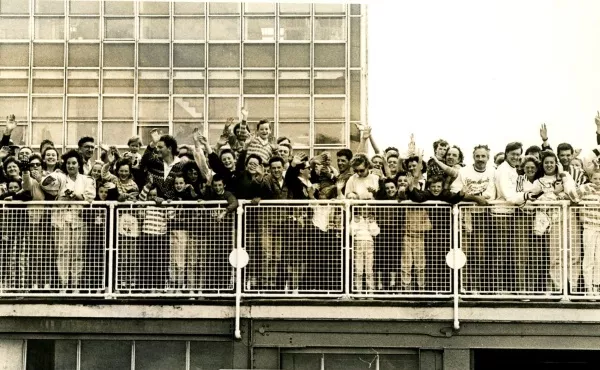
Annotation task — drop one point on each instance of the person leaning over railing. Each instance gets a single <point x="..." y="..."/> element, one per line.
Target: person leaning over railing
<point x="590" y="216"/>
<point x="69" y="229"/>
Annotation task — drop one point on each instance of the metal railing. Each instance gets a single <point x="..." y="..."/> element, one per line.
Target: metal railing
<point x="334" y="249"/>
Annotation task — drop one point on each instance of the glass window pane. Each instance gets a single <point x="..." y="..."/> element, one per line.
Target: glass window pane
<point x="47" y="131"/>
<point x="47" y="108"/>
<point x="153" y="82"/>
<point x="211" y="355"/>
<point x="259" y="82"/>
<point x="330" y="55"/>
<point x="150" y="355"/>
<point x="14" y="7"/>
<point x="259" y="108"/>
<point x="154" y="7"/>
<point x="49" y="28"/>
<point x="355" y="96"/>
<point x="188" y="108"/>
<point x="14" y="81"/>
<point x="294" y="109"/>
<point x="223" y="8"/>
<point x="188" y="82"/>
<point x="189" y="28"/>
<point x="83" y="82"/>
<point x="329" y="109"/>
<point x="294" y="55"/>
<point x="105" y="354"/>
<point x="116" y="133"/>
<point x="51" y="354"/>
<point x="391" y="362"/>
<point x="330" y="8"/>
<point x="77" y="130"/>
<point x="189" y="7"/>
<point x="153" y="55"/>
<point x="46" y="55"/>
<point x="118" y="82"/>
<point x="294" y="28"/>
<point x="84" y="55"/>
<point x="329" y="28"/>
<point x="329" y="133"/>
<point x="119" y="28"/>
<point x="84" y="28"/>
<point x="117" y="108"/>
<point x="329" y="82"/>
<point x="294" y="8"/>
<point x="154" y="28"/>
<point x="355" y="42"/>
<point x="14" y="28"/>
<point x="84" y="7"/>
<point x="49" y="7"/>
<point x="259" y="55"/>
<point x="16" y="106"/>
<point x="223" y="55"/>
<point x="294" y="82"/>
<point x="223" y="82"/>
<point x="144" y="131"/>
<point x="224" y="28"/>
<point x="260" y="28"/>
<point x="48" y="82"/>
<point x="259" y="8"/>
<point x="154" y="109"/>
<point x="14" y="55"/>
<point x="188" y="55"/>
<point x="119" y="55"/>
<point x="82" y="108"/>
<point x="301" y="361"/>
<point x="219" y="109"/>
<point x="355" y="9"/>
<point x="118" y="7"/>
<point x="296" y="131"/>
<point x="214" y="131"/>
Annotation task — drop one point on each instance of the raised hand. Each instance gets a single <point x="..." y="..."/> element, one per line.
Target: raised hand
<point x="244" y="113"/>
<point x="597" y="118"/>
<point x="412" y="147"/>
<point x="11" y="123"/>
<point x="112" y="154"/>
<point x="543" y="132"/>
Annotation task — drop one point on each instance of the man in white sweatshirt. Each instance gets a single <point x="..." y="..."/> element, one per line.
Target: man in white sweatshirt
<point x="476" y="180"/>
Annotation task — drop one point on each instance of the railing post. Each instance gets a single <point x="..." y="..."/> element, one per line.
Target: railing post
<point x="565" y="249"/>
<point x="456" y="245"/>
<point x="347" y="251"/>
<point x="112" y="219"/>
<point x="238" y="271"/>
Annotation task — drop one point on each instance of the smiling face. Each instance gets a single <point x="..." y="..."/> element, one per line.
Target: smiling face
<point x="343" y="163"/>
<point x="452" y="157"/>
<point x="393" y="164"/>
<point x="102" y="193"/>
<point x="124" y="172"/>
<point x="179" y="184"/>
<point x="228" y="160"/>
<point x="51" y="157"/>
<point x="480" y="158"/>
<point x="96" y="171"/>
<point x="24" y="153"/>
<point x="163" y="151"/>
<point x="549" y="166"/>
<point x="276" y="170"/>
<point x="134" y="147"/>
<point x="264" y="130"/>
<point x="252" y="166"/>
<point x="13" y="187"/>
<point x="436" y="188"/>
<point x="390" y="189"/>
<point x="529" y="169"/>
<point x="441" y="151"/>
<point x="514" y="157"/>
<point x="87" y="150"/>
<point x="12" y="170"/>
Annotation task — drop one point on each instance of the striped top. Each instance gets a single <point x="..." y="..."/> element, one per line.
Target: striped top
<point x="590" y="215"/>
<point x="155" y="221"/>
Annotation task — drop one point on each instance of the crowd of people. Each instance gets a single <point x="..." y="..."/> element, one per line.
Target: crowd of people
<point x="511" y="246"/>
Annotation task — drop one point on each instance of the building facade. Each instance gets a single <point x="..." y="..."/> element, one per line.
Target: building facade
<point x="113" y="69"/>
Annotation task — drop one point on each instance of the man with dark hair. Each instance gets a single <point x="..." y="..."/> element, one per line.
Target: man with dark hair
<point x="162" y="163"/>
<point x="391" y="150"/>
<point x="343" y="161"/>
<point x="86" y="149"/>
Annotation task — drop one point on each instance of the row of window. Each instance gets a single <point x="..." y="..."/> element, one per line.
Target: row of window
<point x="16" y="55"/>
<point x="123" y="8"/>
<point x="184" y="28"/>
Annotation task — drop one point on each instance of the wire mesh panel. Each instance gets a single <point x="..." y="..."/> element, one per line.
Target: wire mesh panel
<point x="174" y="249"/>
<point x="512" y="250"/>
<point x="59" y="249"/>
<point x="294" y="249"/>
<point x="400" y="249"/>
<point x="584" y="250"/>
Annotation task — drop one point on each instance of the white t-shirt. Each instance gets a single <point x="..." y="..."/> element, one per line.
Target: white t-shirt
<point x="360" y="185"/>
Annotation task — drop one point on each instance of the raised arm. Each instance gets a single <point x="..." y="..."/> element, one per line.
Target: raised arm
<point x="201" y="142"/>
<point x="11" y="124"/>
<point x="448" y="170"/>
<point x="544" y="137"/>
